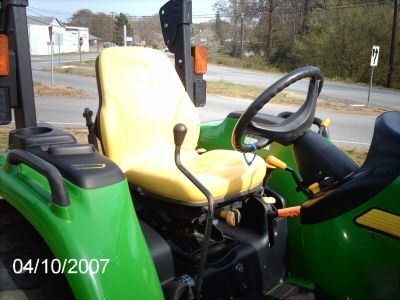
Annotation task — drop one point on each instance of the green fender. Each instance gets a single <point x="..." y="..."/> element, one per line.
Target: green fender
<point x="348" y="261"/>
<point x="99" y="224"/>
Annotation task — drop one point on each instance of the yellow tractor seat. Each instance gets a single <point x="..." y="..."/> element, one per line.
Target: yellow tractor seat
<point x="142" y="98"/>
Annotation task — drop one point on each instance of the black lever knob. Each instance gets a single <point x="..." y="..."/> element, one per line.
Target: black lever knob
<point x="88" y="114"/>
<point x="179" y="134"/>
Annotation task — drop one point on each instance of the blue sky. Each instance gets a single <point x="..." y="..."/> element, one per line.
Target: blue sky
<point x="132" y="7"/>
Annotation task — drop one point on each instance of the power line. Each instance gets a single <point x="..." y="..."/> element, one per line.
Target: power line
<point x="279" y="11"/>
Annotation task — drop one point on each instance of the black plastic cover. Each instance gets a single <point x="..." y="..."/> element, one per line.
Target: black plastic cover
<point x="161" y="254"/>
<point x="385" y="146"/>
<point x="318" y="158"/>
<point x="82" y="165"/>
<point x="5" y="106"/>
<point x="356" y="190"/>
<point x="78" y="163"/>
<point x="199" y="92"/>
<point x="381" y="167"/>
<point x="44" y="135"/>
<point x="172" y="15"/>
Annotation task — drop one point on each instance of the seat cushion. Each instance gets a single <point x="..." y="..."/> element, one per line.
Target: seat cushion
<point x="223" y="172"/>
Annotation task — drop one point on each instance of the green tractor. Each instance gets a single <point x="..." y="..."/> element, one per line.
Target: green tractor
<point x="254" y="206"/>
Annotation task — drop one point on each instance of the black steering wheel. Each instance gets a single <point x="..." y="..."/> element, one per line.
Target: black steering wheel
<point x="287" y="131"/>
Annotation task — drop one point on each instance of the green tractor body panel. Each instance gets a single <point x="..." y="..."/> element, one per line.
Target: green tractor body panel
<point x="100" y="224"/>
<point x="348" y="261"/>
<point x="338" y="257"/>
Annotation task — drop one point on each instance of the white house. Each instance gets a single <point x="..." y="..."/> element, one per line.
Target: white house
<point x="65" y="38"/>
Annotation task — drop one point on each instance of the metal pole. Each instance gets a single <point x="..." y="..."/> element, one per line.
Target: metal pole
<point x="392" y="46"/>
<point x="52" y="59"/>
<point x="112" y="17"/>
<point x="124" y="35"/>
<point x="370" y="85"/>
<point x="80" y="47"/>
<point x="241" y="31"/>
<point x="59" y="51"/>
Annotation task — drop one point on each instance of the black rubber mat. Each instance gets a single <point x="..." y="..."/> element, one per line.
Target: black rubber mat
<point x="291" y="292"/>
<point x="285" y="292"/>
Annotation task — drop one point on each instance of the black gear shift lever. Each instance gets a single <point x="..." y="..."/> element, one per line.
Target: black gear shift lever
<point x="180" y="131"/>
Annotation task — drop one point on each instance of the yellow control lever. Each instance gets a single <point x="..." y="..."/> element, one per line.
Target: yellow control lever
<point x="315" y="188"/>
<point x="232" y="217"/>
<point x="326" y="122"/>
<point x="277" y="163"/>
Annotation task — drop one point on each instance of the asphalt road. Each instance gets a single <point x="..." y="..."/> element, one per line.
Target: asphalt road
<point x="351" y="93"/>
<point x="347" y="128"/>
<point x="80" y="82"/>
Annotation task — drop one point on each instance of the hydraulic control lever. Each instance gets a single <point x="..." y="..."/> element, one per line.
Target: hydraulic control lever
<point x="277" y="163"/>
<point x="180" y="131"/>
<point x="88" y="114"/>
<point x="288" y="212"/>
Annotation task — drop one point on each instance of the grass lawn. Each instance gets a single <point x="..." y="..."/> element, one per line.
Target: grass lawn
<point x="254" y="63"/>
<point x="243" y="91"/>
<point x="73" y="71"/>
<point x="236" y="90"/>
<point x="85" y="63"/>
<point x="250" y="92"/>
<point x="48" y="90"/>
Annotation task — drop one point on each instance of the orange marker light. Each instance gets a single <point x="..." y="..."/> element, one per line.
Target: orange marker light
<point x="200" y="60"/>
<point x="4" y="63"/>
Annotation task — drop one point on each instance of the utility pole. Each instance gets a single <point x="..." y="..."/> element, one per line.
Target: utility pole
<point x="269" y="31"/>
<point x="52" y="53"/>
<point x="112" y="17"/>
<point x="80" y="42"/>
<point x="124" y="35"/>
<point x="241" y="29"/>
<point x="392" y="46"/>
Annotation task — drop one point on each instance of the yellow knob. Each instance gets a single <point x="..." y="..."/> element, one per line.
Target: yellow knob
<point x="229" y="217"/>
<point x="314" y="188"/>
<point x="201" y="150"/>
<point x="269" y="200"/>
<point x="326" y="122"/>
<point x="232" y="217"/>
<point x="273" y="161"/>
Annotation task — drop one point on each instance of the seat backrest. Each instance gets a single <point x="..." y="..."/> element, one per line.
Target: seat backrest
<point x="142" y="98"/>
